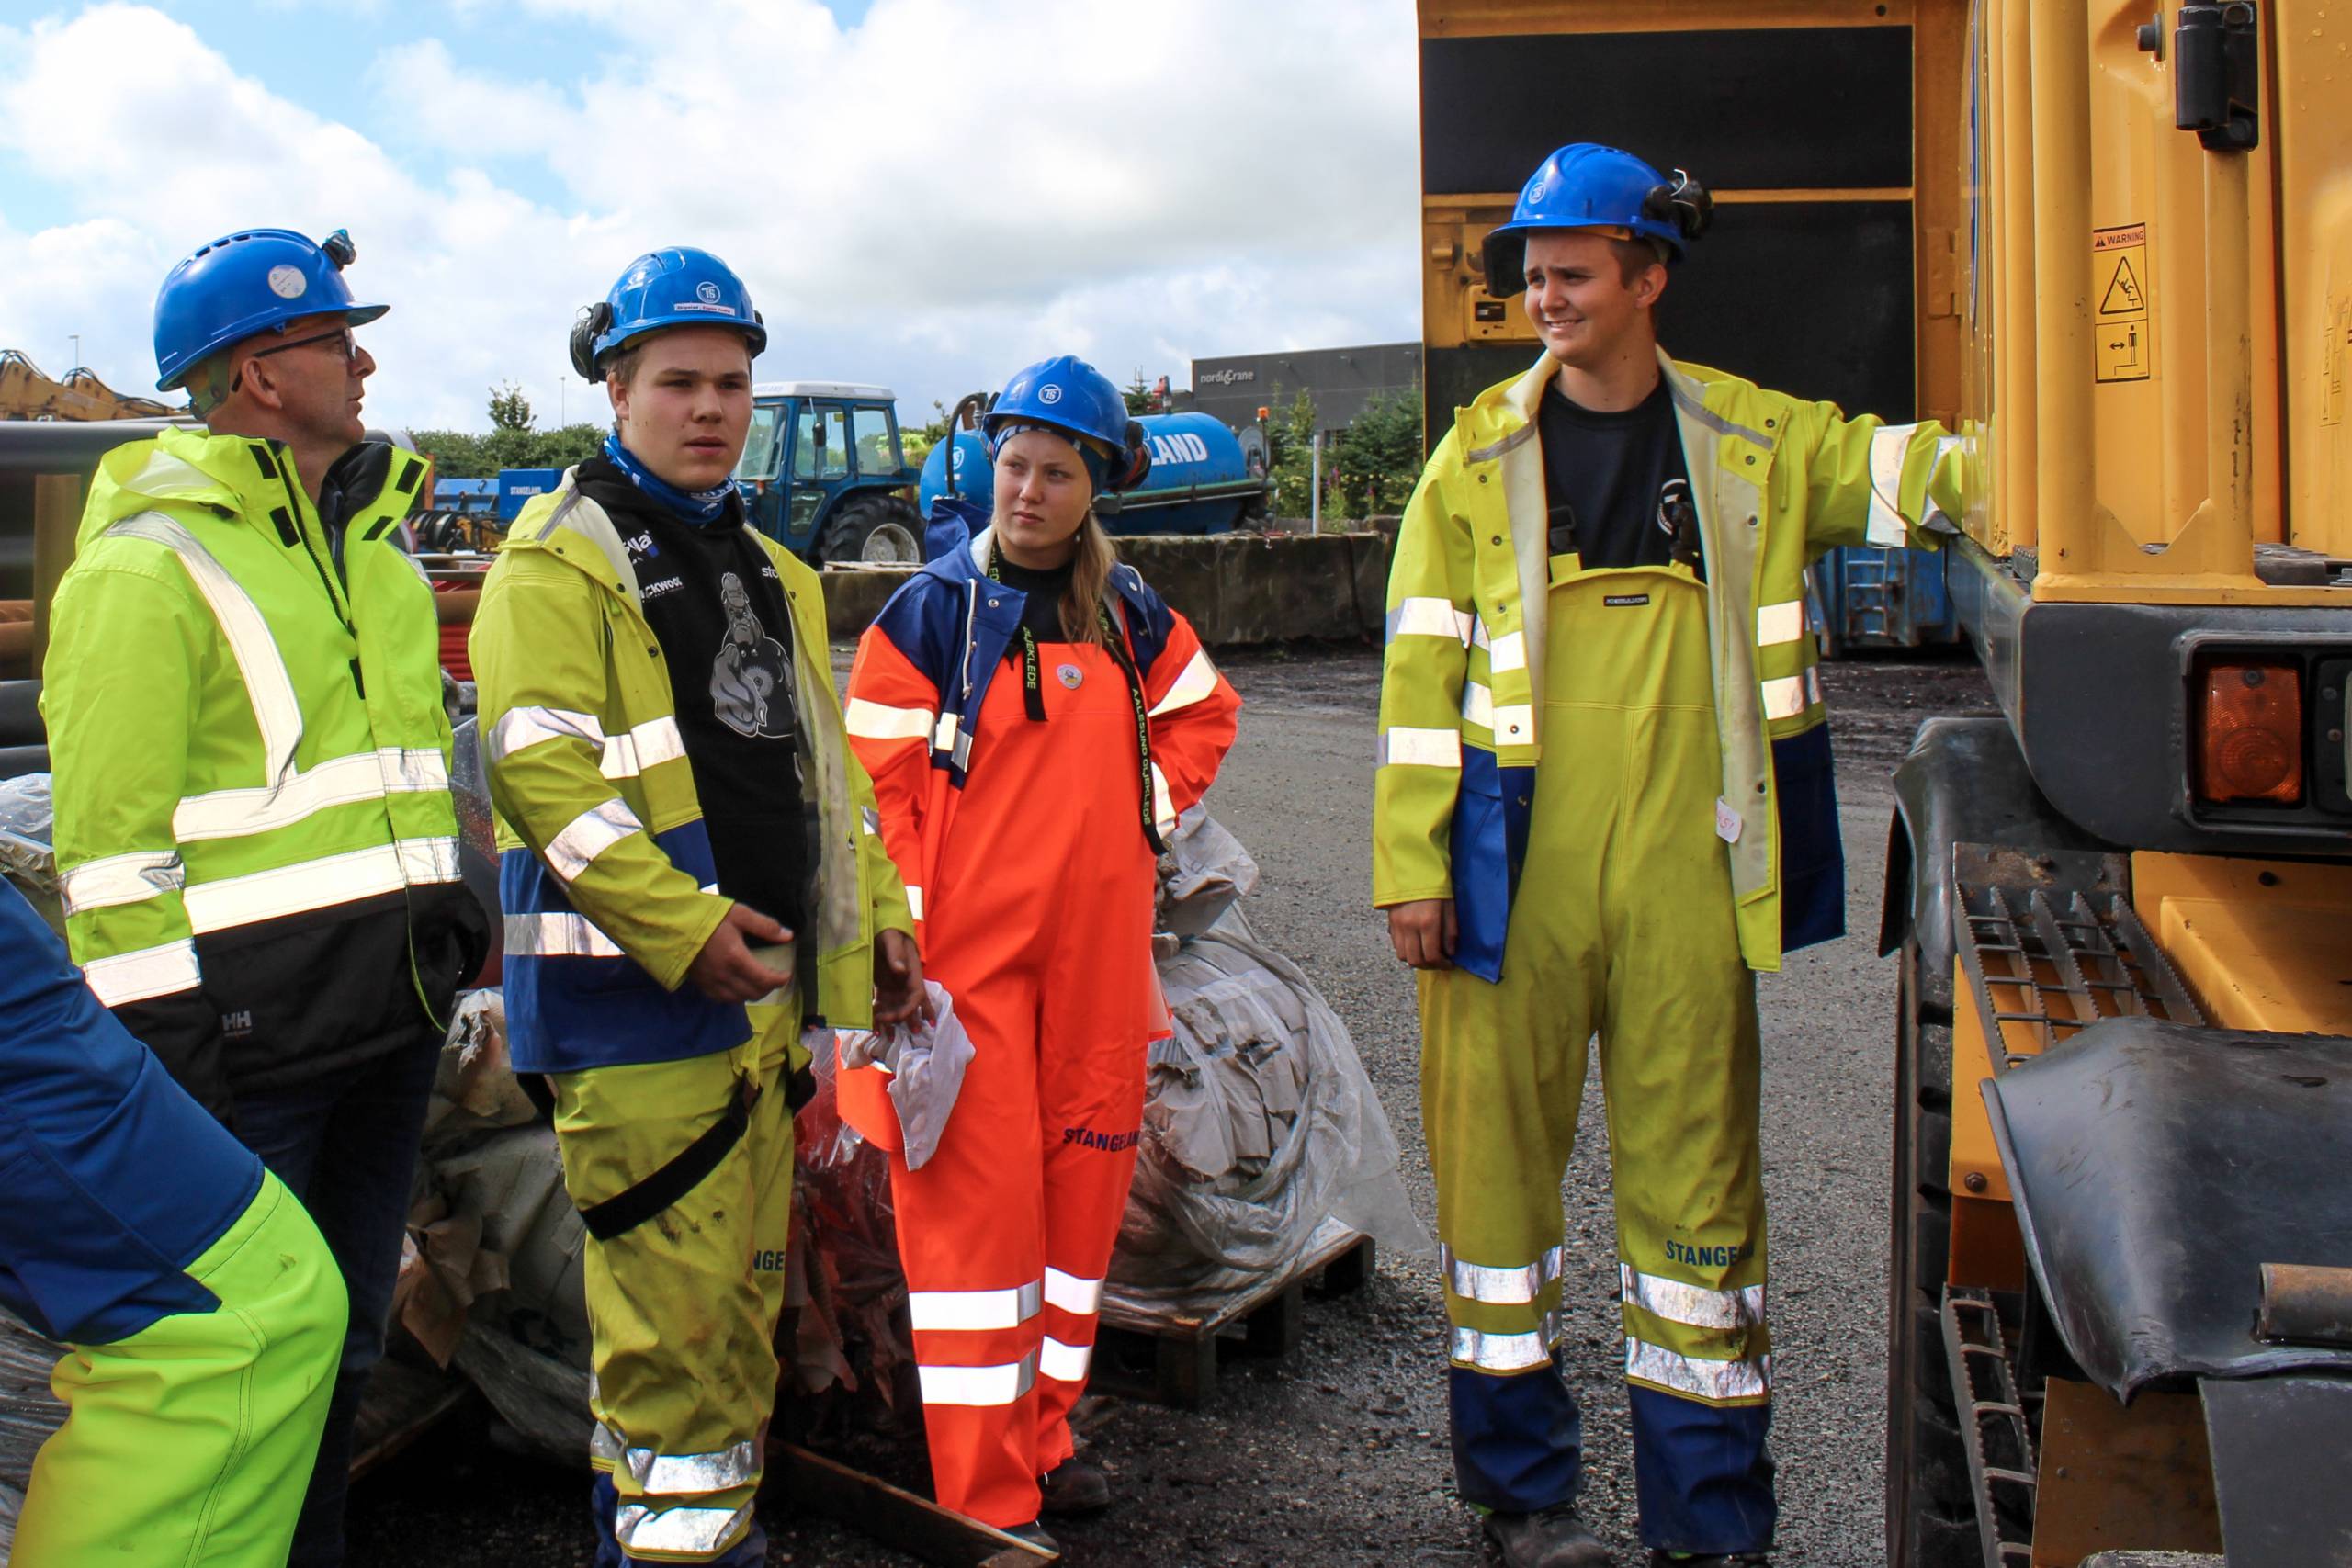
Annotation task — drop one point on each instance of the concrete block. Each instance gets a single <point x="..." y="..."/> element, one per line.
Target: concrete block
<point x="1237" y="590"/>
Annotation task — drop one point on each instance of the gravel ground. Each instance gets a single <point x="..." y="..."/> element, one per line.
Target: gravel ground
<point x="1337" y="1454"/>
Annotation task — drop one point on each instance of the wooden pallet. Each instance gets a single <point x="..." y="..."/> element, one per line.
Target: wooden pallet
<point x="1172" y="1359"/>
<point x="893" y="1515"/>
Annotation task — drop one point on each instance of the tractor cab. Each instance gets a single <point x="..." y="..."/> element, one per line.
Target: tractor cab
<point x="823" y="473"/>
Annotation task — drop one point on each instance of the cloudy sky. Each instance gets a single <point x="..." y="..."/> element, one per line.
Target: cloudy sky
<point x="925" y="193"/>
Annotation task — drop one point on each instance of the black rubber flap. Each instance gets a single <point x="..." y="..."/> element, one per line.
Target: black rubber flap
<point x="2279" y="1456"/>
<point x="2155" y="1168"/>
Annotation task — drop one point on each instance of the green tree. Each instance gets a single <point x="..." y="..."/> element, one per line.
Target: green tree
<point x="1290" y="450"/>
<point x="1377" y="459"/>
<point x="1137" y="396"/>
<point x="509" y="408"/>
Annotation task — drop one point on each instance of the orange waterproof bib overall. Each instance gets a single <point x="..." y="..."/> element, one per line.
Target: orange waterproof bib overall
<point x="1039" y="924"/>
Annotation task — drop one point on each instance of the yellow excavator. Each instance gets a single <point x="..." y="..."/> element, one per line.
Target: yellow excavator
<point x="27" y="393"/>
<point x="2110" y="242"/>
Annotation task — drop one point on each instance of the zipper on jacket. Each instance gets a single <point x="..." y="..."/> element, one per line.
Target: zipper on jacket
<point x="290" y="522"/>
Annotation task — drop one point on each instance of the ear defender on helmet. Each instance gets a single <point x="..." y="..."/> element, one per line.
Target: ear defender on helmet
<point x="1683" y="202"/>
<point x="592" y="324"/>
<point x="1138" y="459"/>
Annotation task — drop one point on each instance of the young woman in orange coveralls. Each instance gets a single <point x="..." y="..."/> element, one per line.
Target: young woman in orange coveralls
<point x="1033" y="718"/>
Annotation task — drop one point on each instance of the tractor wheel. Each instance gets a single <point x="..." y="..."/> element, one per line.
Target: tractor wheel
<point x="874" y="530"/>
<point x="1930" y="1514"/>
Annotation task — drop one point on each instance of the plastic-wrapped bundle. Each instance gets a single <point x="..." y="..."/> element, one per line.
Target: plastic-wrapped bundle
<point x="26" y="857"/>
<point x="1260" y="1123"/>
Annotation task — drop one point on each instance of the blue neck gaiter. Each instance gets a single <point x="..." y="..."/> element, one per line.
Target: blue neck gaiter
<point x="696" y="506"/>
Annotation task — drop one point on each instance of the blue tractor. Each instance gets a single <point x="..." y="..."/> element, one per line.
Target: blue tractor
<point x="824" y="474"/>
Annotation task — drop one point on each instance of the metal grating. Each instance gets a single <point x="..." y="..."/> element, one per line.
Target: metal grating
<point x="1992" y="1427"/>
<point x="2051" y="945"/>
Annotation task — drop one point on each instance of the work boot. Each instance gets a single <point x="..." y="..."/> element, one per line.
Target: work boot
<point x="1661" y="1558"/>
<point x="1073" y="1486"/>
<point x="1548" y="1538"/>
<point x="1034" y="1532"/>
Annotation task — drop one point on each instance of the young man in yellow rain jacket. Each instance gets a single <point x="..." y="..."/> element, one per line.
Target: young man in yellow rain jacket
<point x="1603" y="801"/>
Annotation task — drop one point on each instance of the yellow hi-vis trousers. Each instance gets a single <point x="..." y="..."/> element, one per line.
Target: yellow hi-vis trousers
<point x="1622" y="929"/>
<point x="188" y="1445"/>
<point x="682" y="1309"/>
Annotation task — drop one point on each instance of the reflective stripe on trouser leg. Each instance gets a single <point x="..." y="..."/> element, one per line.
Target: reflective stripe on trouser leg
<point x="1091" y="1077"/>
<point x="1500" y="1131"/>
<point x="198" y="1431"/>
<point x="683" y="1308"/>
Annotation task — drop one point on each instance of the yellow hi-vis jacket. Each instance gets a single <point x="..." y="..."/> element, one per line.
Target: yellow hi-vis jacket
<point x="1777" y="481"/>
<point x="254" y="832"/>
<point x="606" y="873"/>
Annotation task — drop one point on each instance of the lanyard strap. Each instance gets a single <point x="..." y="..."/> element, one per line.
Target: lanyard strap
<point x="1033" y="696"/>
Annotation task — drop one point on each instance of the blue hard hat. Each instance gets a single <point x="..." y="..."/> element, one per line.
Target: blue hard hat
<point x="676" y="287"/>
<point x="248" y="283"/>
<point x="1587" y="185"/>
<point x="1068" y="395"/>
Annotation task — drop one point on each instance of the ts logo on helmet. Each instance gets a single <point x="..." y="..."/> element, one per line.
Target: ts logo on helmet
<point x="1049" y="394"/>
<point x="707" y="292"/>
<point x="287" y="282"/>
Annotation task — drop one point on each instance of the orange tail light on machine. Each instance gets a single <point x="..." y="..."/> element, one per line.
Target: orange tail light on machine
<point x="2250" y="740"/>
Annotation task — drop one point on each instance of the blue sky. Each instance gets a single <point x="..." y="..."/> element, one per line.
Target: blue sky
<point x="927" y="193"/>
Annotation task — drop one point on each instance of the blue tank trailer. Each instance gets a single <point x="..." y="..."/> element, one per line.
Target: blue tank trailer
<point x="1872" y="596"/>
<point x="1202" y="479"/>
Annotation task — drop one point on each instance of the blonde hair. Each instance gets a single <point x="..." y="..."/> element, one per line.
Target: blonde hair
<point x="1089" y="576"/>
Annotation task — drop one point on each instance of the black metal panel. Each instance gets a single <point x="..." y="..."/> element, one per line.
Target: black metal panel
<point x="2156" y="1166"/>
<point x="1753" y="108"/>
<point x="1812" y="299"/>
<point x="1457" y="375"/>
<point x="2278" y="1447"/>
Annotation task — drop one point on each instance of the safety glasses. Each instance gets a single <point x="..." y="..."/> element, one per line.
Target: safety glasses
<point x="350" y="346"/>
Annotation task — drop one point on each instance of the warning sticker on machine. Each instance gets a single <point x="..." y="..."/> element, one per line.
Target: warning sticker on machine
<point x="2125" y="351"/>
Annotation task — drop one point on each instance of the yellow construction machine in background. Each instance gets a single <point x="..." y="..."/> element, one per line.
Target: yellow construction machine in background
<point x="27" y="393"/>
<point x="2110" y="244"/>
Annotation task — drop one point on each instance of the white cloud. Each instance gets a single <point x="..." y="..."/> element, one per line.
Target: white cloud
<point x="930" y="198"/>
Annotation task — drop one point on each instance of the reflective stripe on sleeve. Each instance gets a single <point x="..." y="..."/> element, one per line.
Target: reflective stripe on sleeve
<point x="1515" y="722"/>
<point x="869" y="821"/>
<point x="1064" y="1363"/>
<point x="1889" y="444"/>
<point x="341" y="781"/>
<point x="1777" y="623"/>
<point x="605" y="1445"/>
<point x="320" y="883"/>
<point x="1163" y="803"/>
<point x="1791" y="694"/>
<point x="558" y="936"/>
<point x="961" y="1310"/>
<point x="1403" y="747"/>
<point x="1197" y="682"/>
<point x="1501" y="1286"/>
<point x="1693" y="1304"/>
<point x="1506" y="1352"/>
<point x="1478" y="704"/>
<point x="675" y="1476"/>
<point x="590" y="834"/>
<point x="914" y="901"/>
<point x="1697" y="1379"/>
<point x="121" y="879"/>
<point x="648" y="745"/>
<point x="877" y="721"/>
<point x="1071" y="1293"/>
<point x="978" y="1385"/>
<point x="943" y="735"/>
<point x="149" y="972"/>
<point x="686" y="1533"/>
<point x="278" y="714"/>
<point x="1430" y="617"/>
<point x="519" y="729"/>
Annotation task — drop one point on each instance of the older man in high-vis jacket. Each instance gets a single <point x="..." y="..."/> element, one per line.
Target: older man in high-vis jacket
<point x="1604" y="800"/>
